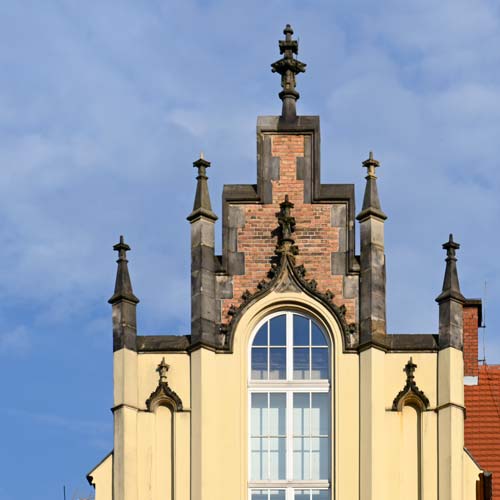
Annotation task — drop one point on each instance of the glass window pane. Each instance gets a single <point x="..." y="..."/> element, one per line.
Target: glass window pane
<point x="319" y="458"/>
<point x="261" y="336"/>
<point x="277" y="495"/>
<point x="317" y="336"/>
<point x="259" y="414"/>
<point x="300" y="364"/>
<point x="259" y="363"/>
<point x="301" y="414"/>
<point x="259" y="458"/>
<point x="259" y="495"/>
<point x="300" y="330"/>
<point x="319" y="361"/>
<point x="277" y="414"/>
<point x="278" y="330"/>
<point x="320" y="414"/>
<point x="300" y="458"/>
<point x="277" y="359"/>
<point x="320" y="495"/>
<point x="302" y="495"/>
<point x="277" y="459"/>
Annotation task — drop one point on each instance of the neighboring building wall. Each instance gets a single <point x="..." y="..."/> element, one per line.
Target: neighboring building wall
<point x="482" y="399"/>
<point x="482" y="425"/>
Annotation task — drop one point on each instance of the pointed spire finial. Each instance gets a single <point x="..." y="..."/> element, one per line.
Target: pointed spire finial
<point x="288" y="67"/>
<point x="371" y="164"/>
<point x="123" y="285"/>
<point x="202" y="205"/>
<point x="371" y="201"/>
<point x="451" y="247"/>
<point x="122" y="248"/>
<point x="451" y="285"/>
<point x="162" y="369"/>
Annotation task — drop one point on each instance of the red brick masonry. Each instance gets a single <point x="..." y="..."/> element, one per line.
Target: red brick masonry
<point x="482" y="401"/>
<point x="314" y="234"/>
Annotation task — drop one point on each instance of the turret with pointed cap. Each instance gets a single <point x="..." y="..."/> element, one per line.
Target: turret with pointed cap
<point x="124" y="303"/>
<point x="372" y="300"/>
<point x="288" y="67"/>
<point x="203" y="301"/>
<point x="451" y="301"/>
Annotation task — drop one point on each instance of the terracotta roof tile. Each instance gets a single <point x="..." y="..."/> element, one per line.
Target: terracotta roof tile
<point x="482" y="425"/>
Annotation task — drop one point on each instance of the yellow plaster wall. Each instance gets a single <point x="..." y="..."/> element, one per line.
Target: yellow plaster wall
<point x="102" y="479"/>
<point x="201" y="453"/>
<point x="164" y="439"/>
<point x="471" y="475"/>
<point x="396" y="427"/>
<point x="232" y="376"/>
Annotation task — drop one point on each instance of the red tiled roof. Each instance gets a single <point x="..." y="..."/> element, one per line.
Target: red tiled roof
<point x="482" y="424"/>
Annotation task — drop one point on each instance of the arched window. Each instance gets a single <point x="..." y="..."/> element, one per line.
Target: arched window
<point x="290" y="410"/>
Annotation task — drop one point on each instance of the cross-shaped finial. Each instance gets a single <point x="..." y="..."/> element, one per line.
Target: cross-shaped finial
<point x="451" y="247"/>
<point x="201" y="164"/>
<point x="288" y="68"/>
<point x="162" y="370"/>
<point x="410" y="371"/>
<point x="371" y="164"/>
<point x="122" y="248"/>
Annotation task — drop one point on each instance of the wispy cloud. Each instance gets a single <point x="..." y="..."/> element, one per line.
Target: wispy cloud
<point x="15" y="342"/>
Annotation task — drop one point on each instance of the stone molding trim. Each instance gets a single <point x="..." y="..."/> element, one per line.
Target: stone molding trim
<point x="410" y="394"/>
<point x="163" y="395"/>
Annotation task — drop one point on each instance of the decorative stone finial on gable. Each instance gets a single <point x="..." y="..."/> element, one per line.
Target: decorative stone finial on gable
<point x="286" y="221"/>
<point x="371" y="164"/>
<point x="288" y="67"/>
<point x="163" y="370"/>
<point x="202" y="205"/>
<point x="371" y="201"/>
<point x="163" y="395"/>
<point x="451" y="285"/>
<point x="123" y="285"/>
<point x="451" y="247"/>
<point x="410" y="394"/>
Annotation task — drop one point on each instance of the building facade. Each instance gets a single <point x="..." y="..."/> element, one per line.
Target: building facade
<point x="289" y="385"/>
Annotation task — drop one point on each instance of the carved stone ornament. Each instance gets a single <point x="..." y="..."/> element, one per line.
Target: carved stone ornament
<point x="286" y="276"/>
<point x="410" y="394"/>
<point x="163" y="395"/>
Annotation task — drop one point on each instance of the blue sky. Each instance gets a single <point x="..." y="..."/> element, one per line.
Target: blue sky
<point x="105" y="104"/>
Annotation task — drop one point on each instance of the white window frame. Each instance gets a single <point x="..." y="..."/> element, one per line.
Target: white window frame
<point x="289" y="387"/>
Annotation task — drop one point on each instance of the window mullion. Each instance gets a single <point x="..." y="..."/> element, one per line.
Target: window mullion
<point x="289" y="346"/>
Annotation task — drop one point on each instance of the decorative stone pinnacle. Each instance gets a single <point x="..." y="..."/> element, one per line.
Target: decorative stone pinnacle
<point x="122" y="248"/>
<point x="451" y="285"/>
<point x="286" y="221"/>
<point x="371" y="200"/>
<point x="123" y="285"/>
<point x="371" y="164"/>
<point x="162" y="369"/>
<point x="201" y="164"/>
<point x="410" y="391"/>
<point x="451" y="247"/>
<point x="288" y="67"/>
<point x="202" y="205"/>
